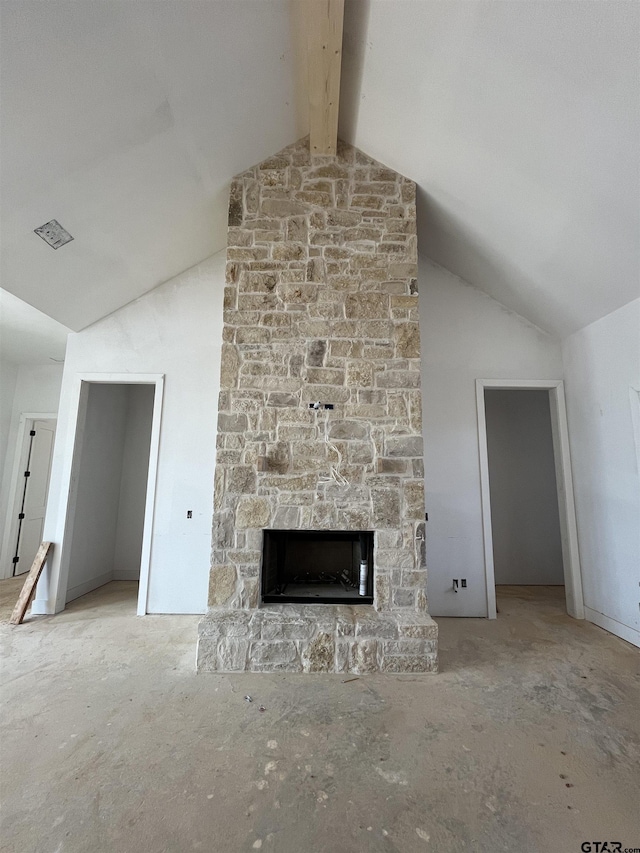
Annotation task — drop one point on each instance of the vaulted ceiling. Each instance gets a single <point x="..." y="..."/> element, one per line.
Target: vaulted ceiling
<point x="125" y="120"/>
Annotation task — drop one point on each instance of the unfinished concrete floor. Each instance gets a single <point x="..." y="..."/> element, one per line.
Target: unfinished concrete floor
<point x="528" y="740"/>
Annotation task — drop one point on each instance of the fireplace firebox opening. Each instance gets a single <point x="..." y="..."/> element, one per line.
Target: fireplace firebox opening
<point x="317" y="567"/>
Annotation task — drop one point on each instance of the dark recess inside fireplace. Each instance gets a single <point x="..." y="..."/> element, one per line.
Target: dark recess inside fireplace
<point x="317" y="566"/>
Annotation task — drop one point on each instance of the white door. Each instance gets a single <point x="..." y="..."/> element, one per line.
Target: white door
<point x="33" y="489"/>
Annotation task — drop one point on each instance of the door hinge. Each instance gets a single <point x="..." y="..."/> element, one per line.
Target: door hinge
<point x="27" y="473"/>
<point x="33" y="432"/>
<point x="20" y="516"/>
<point x="16" y="560"/>
<point x="426" y="516"/>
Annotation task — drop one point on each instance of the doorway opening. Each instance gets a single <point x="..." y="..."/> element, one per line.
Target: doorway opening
<point x="530" y="537"/>
<point x="109" y="510"/>
<point x="29" y="490"/>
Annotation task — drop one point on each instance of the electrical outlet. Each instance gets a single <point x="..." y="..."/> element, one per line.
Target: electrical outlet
<point x="463" y="583"/>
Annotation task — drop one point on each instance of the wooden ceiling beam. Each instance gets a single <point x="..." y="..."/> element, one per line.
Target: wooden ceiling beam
<point x="324" y="49"/>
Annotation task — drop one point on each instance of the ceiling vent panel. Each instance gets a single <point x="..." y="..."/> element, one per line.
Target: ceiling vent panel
<point x="54" y="234"/>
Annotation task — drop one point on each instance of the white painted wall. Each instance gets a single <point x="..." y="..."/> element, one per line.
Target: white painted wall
<point x="95" y="527"/>
<point x="36" y="389"/>
<point x="133" y="482"/>
<point x="525" y="522"/>
<point x="465" y="335"/>
<point x="602" y="369"/>
<point x="175" y="330"/>
<point x="8" y="377"/>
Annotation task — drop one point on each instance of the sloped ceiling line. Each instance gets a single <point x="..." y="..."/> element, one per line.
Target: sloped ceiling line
<point x="518" y="121"/>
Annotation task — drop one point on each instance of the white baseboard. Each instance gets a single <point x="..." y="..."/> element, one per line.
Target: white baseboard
<point x="42" y="606"/>
<point x="88" y="586"/>
<point x="614" y="627"/>
<point x="126" y="574"/>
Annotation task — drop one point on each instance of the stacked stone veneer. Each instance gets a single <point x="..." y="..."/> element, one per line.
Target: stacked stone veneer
<point x="321" y="304"/>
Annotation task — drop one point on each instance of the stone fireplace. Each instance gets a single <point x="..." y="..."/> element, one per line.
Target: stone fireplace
<point x="319" y="468"/>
